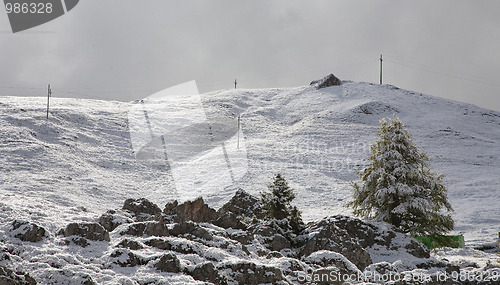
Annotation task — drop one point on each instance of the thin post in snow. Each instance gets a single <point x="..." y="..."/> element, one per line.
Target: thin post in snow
<point x="49" y="93"/>
<point x="235" y="82"/>
<point x="380" y="69"/>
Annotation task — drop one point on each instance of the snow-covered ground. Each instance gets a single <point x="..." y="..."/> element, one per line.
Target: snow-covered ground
<point x="80" y="162"/>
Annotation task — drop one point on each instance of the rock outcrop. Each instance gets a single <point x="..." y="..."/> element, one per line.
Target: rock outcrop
<point x="113" y="218"/>
<point x="233" y="245"/>
<point x="327" y="81"/>
<point x="196" y="211"/>
<point x="80" y="233"/>
<point x="27" y="231"/>
<point x="142" y="208"/>
<point x="168" y="263"/>
<point x="326" y="235"/>
<point x="9" y="277"/>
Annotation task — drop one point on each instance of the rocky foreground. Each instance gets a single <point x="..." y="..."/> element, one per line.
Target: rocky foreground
<point x="191" y="242"/>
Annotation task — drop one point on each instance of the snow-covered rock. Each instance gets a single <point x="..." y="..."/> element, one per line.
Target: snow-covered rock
<point x="27" y="231"/>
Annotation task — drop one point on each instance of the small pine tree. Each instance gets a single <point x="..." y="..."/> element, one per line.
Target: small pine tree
<point x="278" y="209"/>
<point x="398" y="186"/>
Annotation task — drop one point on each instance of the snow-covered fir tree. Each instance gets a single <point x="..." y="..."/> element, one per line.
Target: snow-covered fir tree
<point x="398" y="186"/>
<point x="277" y="206"/>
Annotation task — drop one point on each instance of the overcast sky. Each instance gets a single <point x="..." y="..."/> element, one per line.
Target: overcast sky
<point x="126" y="50"/>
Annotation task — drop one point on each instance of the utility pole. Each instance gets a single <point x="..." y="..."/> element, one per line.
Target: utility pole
<point x="49" y="93"/>
<point x="380" y="69"/>
<point x="235" y="82"/>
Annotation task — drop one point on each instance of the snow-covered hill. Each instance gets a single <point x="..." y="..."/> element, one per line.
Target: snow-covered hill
<point x="80" y="162"/>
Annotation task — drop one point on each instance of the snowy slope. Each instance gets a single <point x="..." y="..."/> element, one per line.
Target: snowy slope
<point x="80" y="162"/>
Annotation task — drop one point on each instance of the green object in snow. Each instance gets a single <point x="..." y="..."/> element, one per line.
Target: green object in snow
<point x="436" y="241"/>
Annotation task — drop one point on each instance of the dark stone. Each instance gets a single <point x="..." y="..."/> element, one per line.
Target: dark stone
<point x="158" y="243"/>
<point x="131" y="259"/>
<point x="329" y="276"/>
<point x="369" y="235"/>
<point x="146" y="228"/>
<point x="381" y="268"/>
<point x="165" y="244"/>
<point x="208" y="273"/>
<point x="168" y="263"/>
<point x="142" y="208"/>
<point x="268" y="235"/>
<point x="9" y="277"/>
<point x="334" y="268"/>
<point x="326" y="235"/>
<point x="243" y="205"/>
<point x="27" y="231"/>
<point x="242" y="237"/>
<point x="262" y="230"/>
<point x="130" y="244"/>
<point x="417" y="249"/>
<point x="91" y="231"/>
<point x="190" y="228"/>
<point x="327" y="81"/>
<point x="448" y="267"/>
<point x="279" y="242"/>
<point x="325" y="258"/>
<point x="274" y="254"/>
<point x="112" y="219"/>
<point x="230" y="220"/>
<point x="245" y="272"/>
<point x="196" y="211"/>
<point x="83" y="242"/>
<point x="170" y="206"/>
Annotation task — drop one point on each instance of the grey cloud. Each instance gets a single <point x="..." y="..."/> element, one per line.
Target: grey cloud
<point x="125" y="50"/>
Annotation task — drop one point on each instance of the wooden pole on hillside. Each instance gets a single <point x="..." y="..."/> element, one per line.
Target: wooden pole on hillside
<point x="49" y="93"/>
<point x="235" y="82"/>
<point x="380" y="69"/>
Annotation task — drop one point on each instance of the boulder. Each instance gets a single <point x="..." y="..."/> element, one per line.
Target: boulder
<point x="91" y="231"/>
<point x="146" y="228"/>
<point x="380" y="269"/>
<point x="126" y="258"/>
<point x="168" y="263"/>
<point x="243" y="205"/>
<point x="142" y="208"/>
<point x="83" y="242"/>
<point x="279" y="242"/>
<point x="263" y="230"/>
<point x="170" y="206"/>
<point x="166" y="244"/>
<point x="27" y="231"/>
<point x="274" y="254"/>
<point x="196" y="211"/>
<point x="130" y="244"/>
<point x="326" y="235"/>
<point x="112" y="219"/>
<point x="230" y="220"/>
<point x="207" y="272"/>
<point x="326" y="258"/>
<point x="370" y="235"/>
<point x="9" y="277"/>
<point x="158" y="243"/>
<point x="190" y="230"/>
<point x="249" y="273"/>
<point x="332" y="275"/>
<point x="327" y="81"/>
<point x="243" y="237"/>
<point x="269" y="236"/>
